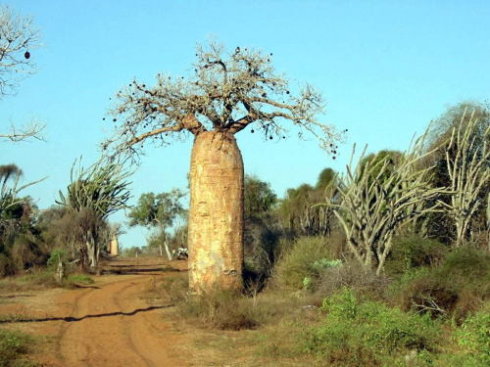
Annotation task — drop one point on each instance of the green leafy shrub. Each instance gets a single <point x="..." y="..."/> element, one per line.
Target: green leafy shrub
<point x="412" y="252"/>
<point x="358" y="333"/>
<point x="55" y="257"/>
<point x="13" y="347"/>
<point x="303" y="260"/>
<point x="474" y="337"/>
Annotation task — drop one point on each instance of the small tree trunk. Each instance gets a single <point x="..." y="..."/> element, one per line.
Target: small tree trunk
<point x="216" y="213"/>
<point x="91" y="254"/>
<point x="461" y="229"/>
<point x="167" y="250"/>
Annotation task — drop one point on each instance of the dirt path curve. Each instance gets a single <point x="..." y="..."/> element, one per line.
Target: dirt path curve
<point x="112" y="325"/>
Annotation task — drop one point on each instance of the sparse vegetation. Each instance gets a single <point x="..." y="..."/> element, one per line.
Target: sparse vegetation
<point x="384" y="263"/>
<point x="14" y="347"/>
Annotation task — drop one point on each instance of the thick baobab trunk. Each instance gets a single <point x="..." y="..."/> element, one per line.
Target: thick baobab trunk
<point x="216" y="213"/>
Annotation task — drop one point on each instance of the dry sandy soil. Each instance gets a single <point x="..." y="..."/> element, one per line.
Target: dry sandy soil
<point x="110" y="323"/>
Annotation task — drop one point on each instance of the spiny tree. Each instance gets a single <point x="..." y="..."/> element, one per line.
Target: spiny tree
<point x="93" y="194"/>
<point x="17" y="39"/>
<point x="227" y="93"/>
<point x="467" y="121"/>
<point x="468" y="167"/>
<point x="20" y="245"/>
<point x="158" y="211"/>
<point x="377" y="198"/>
<point x="12" y="206"/>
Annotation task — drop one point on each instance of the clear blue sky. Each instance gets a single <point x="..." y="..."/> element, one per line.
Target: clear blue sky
<point x="385" y="68"/>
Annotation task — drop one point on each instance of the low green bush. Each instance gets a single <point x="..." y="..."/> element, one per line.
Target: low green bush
<point x="13" y="348"/>
<point x="413" y="251"/>
<point x="357" y="333"/>
<point x="55" y="257"/>
<point x="302" y="262"/>
<point x="474" y="337"/>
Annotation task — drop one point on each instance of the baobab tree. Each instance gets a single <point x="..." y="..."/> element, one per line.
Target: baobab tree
<point x="227" y="93"/>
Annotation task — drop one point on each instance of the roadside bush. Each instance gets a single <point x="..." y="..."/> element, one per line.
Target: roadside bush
<point x="414" y="251"/>
<point x="474" y="337"/>
<point x="260" y="242"/>
<point x="27" y="252"/>
<point x="456" y="288"/>
<point x="13" y="348"/>
<point x="358" y="333"/>
<point x="302" y="263"/>
<point x="221" y="310"/>
<point x="229" y="310"/>
<point x="6" y="266"/>
<point x="55" y="257"/>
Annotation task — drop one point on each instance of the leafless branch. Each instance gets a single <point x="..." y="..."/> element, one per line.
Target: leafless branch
<point x="378" y="197"/>
<point x="227" y="92"/>
<point x="20" y="134"/>
<point x="467" y="159"/>
<point x="17" y="39"/>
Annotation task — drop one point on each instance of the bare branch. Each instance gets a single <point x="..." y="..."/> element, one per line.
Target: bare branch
<point x="467" y="156"/>
<point x="378" y="198"/>
<point x="227" y="92"/>
<point x="32" y="131"/>
<point x="17" y="39"/>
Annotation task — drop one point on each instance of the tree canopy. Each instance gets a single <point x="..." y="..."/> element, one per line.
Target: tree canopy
<point x="227" y="92"/>
<point x="157" y="209"/>
<point x="258" y="196"/>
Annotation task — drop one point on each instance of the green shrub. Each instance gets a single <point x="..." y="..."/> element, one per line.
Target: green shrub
<point x="13" y="348"/>
<point x="412" y="252"/>
<point x="55" y="257"/>
<point x="474" y="337"/>
<point x="370" y="333"/>
<point x="302" y="260"/>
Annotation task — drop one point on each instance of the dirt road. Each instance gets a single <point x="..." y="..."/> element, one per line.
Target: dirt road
<point x="112" y="324"/>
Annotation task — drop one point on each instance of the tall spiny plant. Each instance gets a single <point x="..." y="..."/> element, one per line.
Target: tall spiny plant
<point x="93" y="194"/>
<point x="467" y="159"/>
<point x="377" y="199"/>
